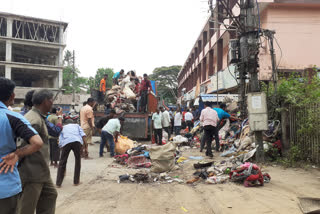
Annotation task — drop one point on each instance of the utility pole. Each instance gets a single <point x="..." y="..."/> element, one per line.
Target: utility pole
<point x="247" y="49"/>
<point x="73" y="79"/>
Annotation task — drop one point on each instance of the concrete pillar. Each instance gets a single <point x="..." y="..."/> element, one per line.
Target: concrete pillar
<point x="60" y="79"/>
<point x="8" y="72"/>
<point x="9" y="27"/>
<point x="8" y="51"/>
<point x="61" y="36"/>
<point x="60" y="57"/>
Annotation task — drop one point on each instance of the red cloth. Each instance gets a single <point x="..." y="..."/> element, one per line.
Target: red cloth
<point x="137" y="88"/>
<point x="145" y="85"/>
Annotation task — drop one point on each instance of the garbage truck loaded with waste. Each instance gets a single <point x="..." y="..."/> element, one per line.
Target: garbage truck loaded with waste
<point x="123" y="99"/>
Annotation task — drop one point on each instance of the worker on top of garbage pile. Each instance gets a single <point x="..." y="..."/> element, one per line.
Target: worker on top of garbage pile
<point x="103" y="84"/>
<point x="209" y="119"/>
<point x="116" y="77"/>
<point x="111" y="130"/>
<point x="137" y="92"/>
<point x="144" y="91"/>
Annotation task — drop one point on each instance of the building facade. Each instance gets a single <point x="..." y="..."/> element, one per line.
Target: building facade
<point x="31" y="52"/>
<point x="297" y="27"/>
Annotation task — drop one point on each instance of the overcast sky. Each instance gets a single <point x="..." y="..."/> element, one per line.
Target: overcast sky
<point x="130" y="34"/>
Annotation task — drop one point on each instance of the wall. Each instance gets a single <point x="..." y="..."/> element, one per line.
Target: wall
<point x="297" y="31"/>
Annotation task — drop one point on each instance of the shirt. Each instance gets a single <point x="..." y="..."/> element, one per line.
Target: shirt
<point x="177" y="119"/>
<point x="165" y="119"/>
<point x="209" y="117"/>
<point x="116" y="75"/>
<point x="196" y="114"/>
<point x="137" y="88"/>
<point x="34" y="167"/>
<point x="157" y="120"/>
<point x="102" y="85"/>
<point x="54" y="120"/>
<point x="145" y="85"/>
<point x="71" y="133"/>
<point x="112" y="126"/>
<point x="221" y="113"/>
<point x="12" y="125"/>
<point x="188" y="116"/>
<point x="86" y="113"/>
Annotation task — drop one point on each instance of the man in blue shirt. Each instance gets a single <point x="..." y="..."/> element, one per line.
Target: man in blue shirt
<point x="12" y="125"/>
<point x="116" y="77"/>
<point x="222" y="114"/>
<point x="71" y="138"/>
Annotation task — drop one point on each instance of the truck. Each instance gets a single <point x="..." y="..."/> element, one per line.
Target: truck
<point x="137" y="124"/>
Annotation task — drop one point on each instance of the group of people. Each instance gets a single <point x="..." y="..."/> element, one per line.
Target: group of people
<point x="29" y="140"/>
<point x="141" y="87"/>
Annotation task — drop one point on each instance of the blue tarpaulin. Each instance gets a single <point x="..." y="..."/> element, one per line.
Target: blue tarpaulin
<point x="153" y="84"/>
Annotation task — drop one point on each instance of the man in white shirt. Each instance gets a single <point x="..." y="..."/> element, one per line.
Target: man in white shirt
<point x="166" y="121"/>
<point x="110" y="130"/>
<point x="209" y="119"/>
<point x="188" y="118"/>
<point x="157" y="126"/>
<point x="177" y="122"/>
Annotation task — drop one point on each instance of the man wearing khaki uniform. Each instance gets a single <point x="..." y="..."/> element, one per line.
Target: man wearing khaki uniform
<point x="87" y="124"/>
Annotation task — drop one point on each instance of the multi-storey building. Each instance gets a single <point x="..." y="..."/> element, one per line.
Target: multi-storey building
<point x="297" y="27"/>
<point x="31" y="52"/>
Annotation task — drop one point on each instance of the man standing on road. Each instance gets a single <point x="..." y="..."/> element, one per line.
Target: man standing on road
<point x="166" y="121"/>
<point x="116" y="76"/>
<point x="209" y="119"/>
<point x="112" y="130"/>
<point x="144" y="91"/>
<point x="101" y="123"/>
<point x="87" y="124"/>
<point x="189" y="117"/>
<point x="177" y="122"/>
<point x="12" y="125"/>
<point x="56" y="119"/>
<point x="157" y="126"/>
<point x="39" y="193"/>
<point x="71" y="138"/>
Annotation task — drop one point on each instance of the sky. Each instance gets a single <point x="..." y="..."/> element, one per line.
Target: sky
<point x="135" y="35"/>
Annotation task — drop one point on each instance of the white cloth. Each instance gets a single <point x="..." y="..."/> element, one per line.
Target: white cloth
<point x="188" y="116"/>
<point x="177" y="119"/>
<point x="165" y="119"/>
<point x="157" y="120"/>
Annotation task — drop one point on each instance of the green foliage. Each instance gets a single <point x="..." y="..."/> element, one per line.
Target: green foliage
<point x="293" y="158"/>
<point x="167" y="82"/>
<point x="71" y="78"/>
<point x="95" y="82"/>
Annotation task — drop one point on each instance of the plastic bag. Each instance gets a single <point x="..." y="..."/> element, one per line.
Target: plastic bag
<point x="123" y="145"/>
<point x="129" y="93"/>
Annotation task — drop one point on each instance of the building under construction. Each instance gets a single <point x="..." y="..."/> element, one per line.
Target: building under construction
<point x="208" y="69"/>
<point x="31" y="52"/>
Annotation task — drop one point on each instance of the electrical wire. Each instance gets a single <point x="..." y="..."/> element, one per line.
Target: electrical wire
<point x="258" y="18"/>
<point x="280" y="52"/>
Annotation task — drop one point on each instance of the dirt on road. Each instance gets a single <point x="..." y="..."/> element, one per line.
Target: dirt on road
<point x="100" y="192"/>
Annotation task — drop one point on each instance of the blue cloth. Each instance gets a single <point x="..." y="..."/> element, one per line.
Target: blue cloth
<point x="12" y="125"/>
<point x="221" y="113"/>
<point x="105" y="136"/>
<point x="71" y="133"/>
<point x="116" y="75"/>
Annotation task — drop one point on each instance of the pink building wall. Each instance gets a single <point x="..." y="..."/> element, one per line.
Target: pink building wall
<point x="298" y="34"/>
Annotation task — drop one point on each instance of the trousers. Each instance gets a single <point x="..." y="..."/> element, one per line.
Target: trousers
<point x="76" y="148"/>
<point x="9" y="205"/>
<point x="158" y="136"/>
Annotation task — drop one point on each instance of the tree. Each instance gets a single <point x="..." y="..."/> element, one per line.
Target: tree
<point x="167" y="82"/>
<point x="99" y="75"/>
<point x="71" y="78"/>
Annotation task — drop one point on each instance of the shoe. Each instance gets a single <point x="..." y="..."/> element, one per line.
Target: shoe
<point x="88" y="158"/>
<point x="58" y="186"/>
<point x="101" y="156"/>
<point x="210" y="156"/>
<point x="201" y="150"/>
<point x="77" y="184"/>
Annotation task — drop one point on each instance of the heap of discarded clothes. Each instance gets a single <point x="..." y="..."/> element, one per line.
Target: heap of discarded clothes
<point x="136" y="157"/>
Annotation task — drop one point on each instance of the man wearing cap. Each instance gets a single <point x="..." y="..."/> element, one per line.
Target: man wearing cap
<point x="112" y="130"/>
